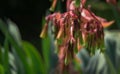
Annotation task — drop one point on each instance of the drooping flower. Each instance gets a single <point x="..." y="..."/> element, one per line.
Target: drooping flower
<point x="76" y="28"/>
<point x="92" y="30"/>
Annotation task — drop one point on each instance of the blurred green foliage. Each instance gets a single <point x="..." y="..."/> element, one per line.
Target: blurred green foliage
<point x="26" y="59"/>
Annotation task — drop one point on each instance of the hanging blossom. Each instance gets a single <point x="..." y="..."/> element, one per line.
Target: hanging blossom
<point x="75" y="29"/>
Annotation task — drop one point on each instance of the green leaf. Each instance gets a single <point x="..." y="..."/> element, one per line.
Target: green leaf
<point x="110" y="65"/>
<point x="16" y="46"/>
<point x="46" y="51"/>
<point x="34" y="58"/>
<point x="77" y="3"/>
<point x="113" y="49"/>
<point x="13" y="67"/>
<point x="1" y="69"/>
<point x="5" y="57"/>
<point x="14" y="31"/>
<point x="101" y="65"/>
<point x="1" y="54"/>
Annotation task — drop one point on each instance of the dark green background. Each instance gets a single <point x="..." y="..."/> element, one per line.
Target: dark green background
<point x="27" y="14"/>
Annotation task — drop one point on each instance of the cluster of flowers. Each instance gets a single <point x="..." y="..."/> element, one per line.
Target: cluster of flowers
<point x="74" y="29"/>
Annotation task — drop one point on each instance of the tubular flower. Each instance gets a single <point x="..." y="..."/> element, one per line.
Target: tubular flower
<point x="53" y="5"/>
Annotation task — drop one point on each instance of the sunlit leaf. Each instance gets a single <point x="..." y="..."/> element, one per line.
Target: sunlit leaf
<point x="13" y="67"/>
<point x="14" y="31"/>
